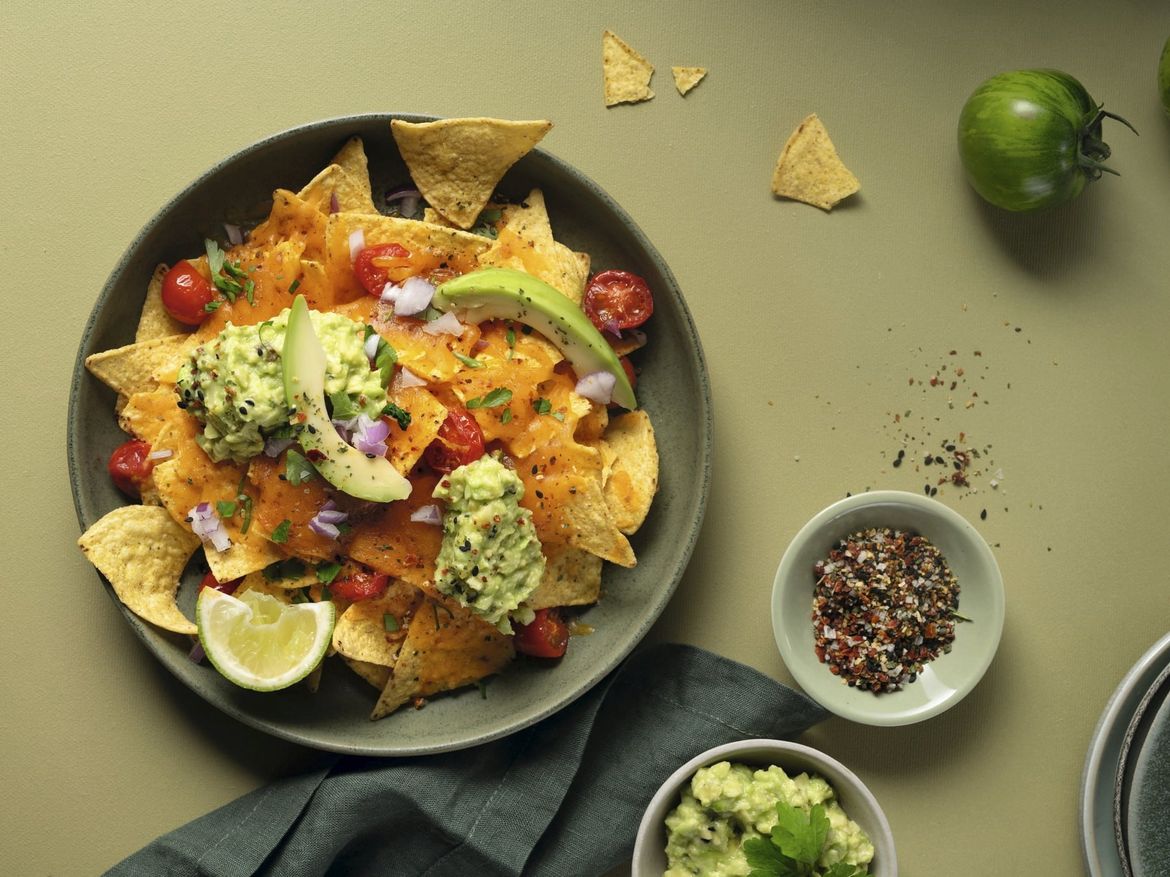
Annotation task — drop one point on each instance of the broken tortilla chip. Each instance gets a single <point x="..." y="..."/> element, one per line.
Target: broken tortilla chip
<point x="139" y="367"/>
<point x="457" y="163"/>
<point x="142" y="551"/>
<point x="446" y="647"/>
<point x="154" y="321"/>
<point x="686" y="78"/>
<point x="373" y="630"/>
<point x="572" y="577"/>
<point x="352" y="159"/>
<point x="375" y="674"/>
<point x="336" y="188"/>
<point x="633" y="475"/>
<point x="809" y="169"/>
<point x="626" y="73"/>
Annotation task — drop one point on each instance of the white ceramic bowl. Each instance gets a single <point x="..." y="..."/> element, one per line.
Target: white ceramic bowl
<point x="856" y="800"/>
<point x="944" y="681"/>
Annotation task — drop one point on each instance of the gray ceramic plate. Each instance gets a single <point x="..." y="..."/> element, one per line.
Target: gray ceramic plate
<point x="1106" y="783"/>
<point x="673" y="388"/>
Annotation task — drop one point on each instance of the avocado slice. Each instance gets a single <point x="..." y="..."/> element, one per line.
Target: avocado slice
<point x="507" y="294"/>
<point x="343" y="466"/>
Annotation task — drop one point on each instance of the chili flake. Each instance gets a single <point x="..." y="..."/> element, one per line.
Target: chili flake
<point x="884" y="606"/>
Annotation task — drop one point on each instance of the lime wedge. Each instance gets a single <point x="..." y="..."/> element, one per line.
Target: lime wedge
<point x="258" y="642"/>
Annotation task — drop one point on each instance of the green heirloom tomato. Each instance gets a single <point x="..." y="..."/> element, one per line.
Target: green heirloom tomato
<point x="1031" y="139"/>
<point x="1164" y="77"/>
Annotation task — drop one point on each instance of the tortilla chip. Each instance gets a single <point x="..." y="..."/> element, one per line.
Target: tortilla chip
<point x="390" y="542"/>
<point x="458" y="248"/>
<point x="633" y="475"/>
<point x="809" y="169"/>
<point x="336" y="182"/>
<point x="142" y="551"/>
<point x="189" y="478"/>
<point x="572" y="577"/>
<point x="146" y="415"/>
<point x="457" y="163"/>
<point x="361" y="631"/>
<point x="525" y="242"/>
<point x="142" y="366"/>
<point x="351" y="158"/>
<point x="375" y="674"/>
<point x="625" y="72"/>
<point x="154" y="321"/>
<point x="686" y="78"/>
<point x="446" y="647"/>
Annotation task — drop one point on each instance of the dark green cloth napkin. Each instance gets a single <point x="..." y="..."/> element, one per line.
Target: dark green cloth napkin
<point x="563" y="797"/>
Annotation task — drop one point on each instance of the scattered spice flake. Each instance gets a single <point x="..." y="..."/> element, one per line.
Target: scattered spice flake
<point x="884" y="605"/>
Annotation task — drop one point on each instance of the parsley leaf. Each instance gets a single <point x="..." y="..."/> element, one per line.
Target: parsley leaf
<point x="799" y="837"/>
<point x="766" y="860"/>
<point x="498" y="396"/>
<point x="280" y="534"/>
<point x="297" y="470"/>
<point x="399" y="414"/>
<point x="842" y="869"/>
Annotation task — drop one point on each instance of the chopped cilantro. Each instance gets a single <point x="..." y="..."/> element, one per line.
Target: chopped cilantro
<point x="213" y="306"/>
<point x="343" y="406"/>
<point x="399" y="414"/>
<point x="292" y="287"/>
<point x="498" y="396"/>
<point x="389" y="622"/>
<point x="246" y="521"/>
<point x="506" y="416"/>
<point x="795" y="845"/>
<point x="280" y="534"/>
<point x="559" y="415"/>
<point x="297" y="470"/>
<point x="542" y="405"/>
<point x="511" y="336"/>
<point x="225" y="507"/>
<point x="225" y="275"/>
<point x="467" y="360"/>
<point x="384" y="359"/>
<point x="327" y="572"/>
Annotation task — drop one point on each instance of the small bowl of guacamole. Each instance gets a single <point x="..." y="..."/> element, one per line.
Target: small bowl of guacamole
<point x="726" y="808"/>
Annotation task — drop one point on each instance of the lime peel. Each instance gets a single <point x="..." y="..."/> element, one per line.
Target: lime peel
<point x="258" y="642"/>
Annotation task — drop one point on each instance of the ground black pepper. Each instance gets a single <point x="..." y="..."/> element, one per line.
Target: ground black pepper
<point x="884" y="605"/>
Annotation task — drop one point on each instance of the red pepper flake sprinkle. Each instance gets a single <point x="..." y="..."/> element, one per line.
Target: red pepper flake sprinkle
<point x="884" y="606"/>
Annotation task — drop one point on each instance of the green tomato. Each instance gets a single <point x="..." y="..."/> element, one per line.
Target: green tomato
<point x="1031" y="139"/>
<point x="1164" y="76"/>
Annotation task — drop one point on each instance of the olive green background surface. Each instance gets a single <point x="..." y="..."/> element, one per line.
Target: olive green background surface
<point x="813" y="326"/>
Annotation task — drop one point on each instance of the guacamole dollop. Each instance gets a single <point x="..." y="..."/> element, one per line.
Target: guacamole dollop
<point x="727" y="804"/>
<point x="234" y="386"/>
<point x="490" y="559"/>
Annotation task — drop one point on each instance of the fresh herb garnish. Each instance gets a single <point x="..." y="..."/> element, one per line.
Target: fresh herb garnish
<point x="344" y="407"/>
<point x="796" y="843"/>
<point x="498" y="396"/>
<point x="506" y="416"/>
<point x="225" y="507"/>
<point x="289" y="568"/>
<point x="384" y="359"/>
<point x="467" y="360"/>
<point x="389" y="622"/>
<point x="245" y="521"/>
<point x="297" y="470"/>
<point x="558" y="415"/>
<point x="327" y="572"/>
<point x="485" y="225"/>
<point x="292" y="287"/>
<point x="225" y="275"/>
<point x="280" y="534"/>
<point x="399" y="414"/>
<point x="542" y="405"/>
<point x="213" y="306"/>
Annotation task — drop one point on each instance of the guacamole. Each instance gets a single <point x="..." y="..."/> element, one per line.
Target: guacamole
<point x="490" y="559"/>
<point x="728" y="803"/>
<point x="234" y="386"/>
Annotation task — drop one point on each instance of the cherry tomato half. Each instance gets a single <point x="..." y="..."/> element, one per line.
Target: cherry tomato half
<point x="360" y="586"/>
<point x="460" y="441"/>
<point x="185" y="294"/>
<point x="373" y="265"/>
<point x="210" y="581"/>
<point x="617" y="300"/>
<point x="547" y="636"/>
<point x="130" y="466"/>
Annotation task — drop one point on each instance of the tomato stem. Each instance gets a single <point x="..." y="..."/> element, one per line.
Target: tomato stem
<point x="1105" y="114"/>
